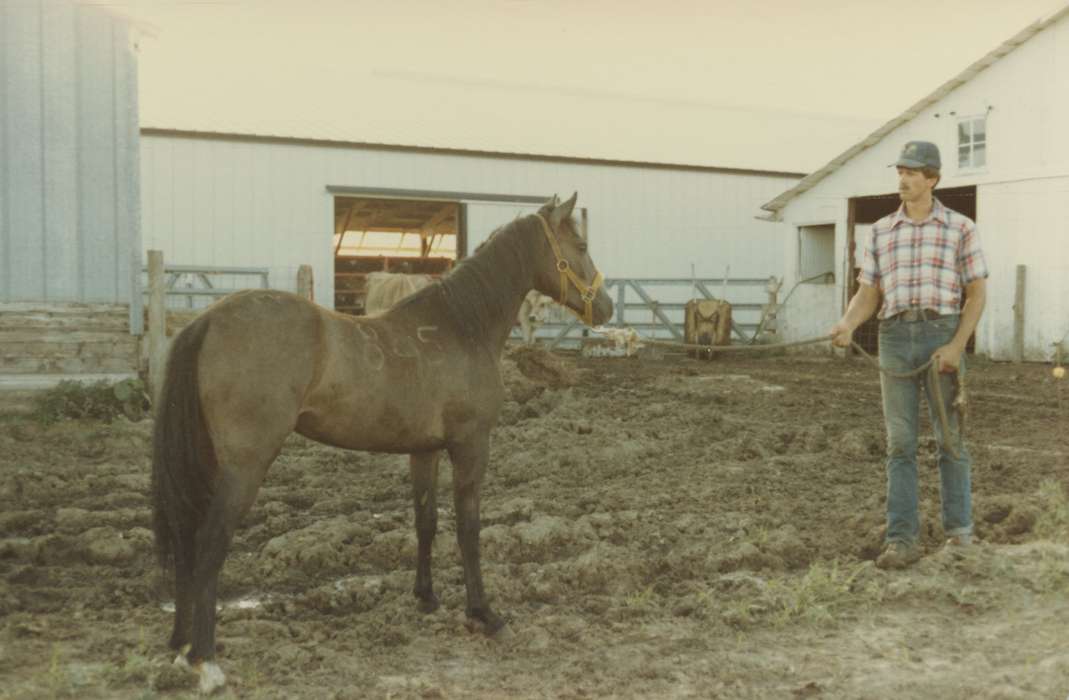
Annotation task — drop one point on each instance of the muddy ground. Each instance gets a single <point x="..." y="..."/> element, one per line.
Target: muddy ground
<point x="653" y="527"/>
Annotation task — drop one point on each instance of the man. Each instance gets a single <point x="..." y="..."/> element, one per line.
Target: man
<point x="922" y="259"/>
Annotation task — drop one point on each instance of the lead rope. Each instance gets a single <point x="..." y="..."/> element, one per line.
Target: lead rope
<point x="960" y="402"/>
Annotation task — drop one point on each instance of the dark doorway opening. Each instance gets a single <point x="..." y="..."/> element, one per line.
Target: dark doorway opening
<point x="377" y="234"/>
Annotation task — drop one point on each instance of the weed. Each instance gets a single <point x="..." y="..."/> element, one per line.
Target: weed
<point x="136" y="668"/>
<point x="642" y="600"/>
<point x="99" y="401"/>
<point x="1053" y="521"/>
<point x="64" y="680"/>
<point x="816" y="597"/>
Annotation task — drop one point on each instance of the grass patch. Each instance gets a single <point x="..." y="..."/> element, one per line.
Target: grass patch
<point x="1053" y="520"/>
<point x="65" y="680"/>
<point x="818" y="597"/>
<point x="136" y="669"/>
<point x="104" y="401"/>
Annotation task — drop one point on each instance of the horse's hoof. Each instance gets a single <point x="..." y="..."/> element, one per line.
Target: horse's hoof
<point x="182" y="661"/>
<point x="489" y="623"/>
<point x="211" y="677"/>
<point x="428" y="605"/>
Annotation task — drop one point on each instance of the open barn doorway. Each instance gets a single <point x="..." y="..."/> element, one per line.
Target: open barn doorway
<point x="372" y="234"/>
<point x="865" y="211"/>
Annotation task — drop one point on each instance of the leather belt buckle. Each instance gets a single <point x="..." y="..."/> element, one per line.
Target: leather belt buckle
<point x="914" y="314"/>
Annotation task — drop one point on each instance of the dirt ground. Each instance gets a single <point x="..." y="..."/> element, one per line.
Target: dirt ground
<point x="654" y="527"/>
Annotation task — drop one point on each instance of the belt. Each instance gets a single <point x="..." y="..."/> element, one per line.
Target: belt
<point x="915" y="313"/>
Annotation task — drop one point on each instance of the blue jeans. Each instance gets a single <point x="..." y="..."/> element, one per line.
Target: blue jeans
<point x="904" y="346"/>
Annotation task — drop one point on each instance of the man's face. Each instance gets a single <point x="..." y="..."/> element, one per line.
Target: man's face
<point x="913" y="185"/>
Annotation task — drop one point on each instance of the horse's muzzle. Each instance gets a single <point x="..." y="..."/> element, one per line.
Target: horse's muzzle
<point x="602" y="308"/>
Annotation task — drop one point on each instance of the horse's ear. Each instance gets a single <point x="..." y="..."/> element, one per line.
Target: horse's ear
<point x="563" y="211"/>
<point x="547" y="209"/>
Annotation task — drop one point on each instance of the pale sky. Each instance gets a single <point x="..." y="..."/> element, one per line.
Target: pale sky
<point x="776" y="85"/>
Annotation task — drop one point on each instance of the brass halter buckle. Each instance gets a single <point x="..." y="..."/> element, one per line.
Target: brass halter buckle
<point x="587" y="292"/>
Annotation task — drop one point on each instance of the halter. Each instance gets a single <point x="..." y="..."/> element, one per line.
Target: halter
<point x="586" y="291"/>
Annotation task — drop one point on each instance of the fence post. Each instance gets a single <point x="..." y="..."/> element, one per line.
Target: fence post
<point x="1018" y="316"/>
<point x="157" y="324"/>
<point x="769" y="314"/>
<point x="305" y="286"/>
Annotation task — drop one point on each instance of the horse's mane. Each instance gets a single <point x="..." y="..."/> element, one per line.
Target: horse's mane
<point x="480" y="290"/>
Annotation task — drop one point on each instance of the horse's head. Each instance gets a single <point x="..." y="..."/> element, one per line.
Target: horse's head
<point x="567" y="274"/>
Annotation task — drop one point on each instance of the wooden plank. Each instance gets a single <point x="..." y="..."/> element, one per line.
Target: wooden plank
<point x="446" y="212"/>
<point x="109" y="324"/>
<point x="1018" y="315"/>
<point x="10" y="337"/>
<point x="60" y="308"/>
<point x="305" y="286"/>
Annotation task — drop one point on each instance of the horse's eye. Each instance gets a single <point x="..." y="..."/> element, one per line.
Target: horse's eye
<point x="582" y="247"/>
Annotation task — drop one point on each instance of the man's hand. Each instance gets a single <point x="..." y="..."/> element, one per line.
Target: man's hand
<point x="948" y="357"/>
<point x="841" y="334"/>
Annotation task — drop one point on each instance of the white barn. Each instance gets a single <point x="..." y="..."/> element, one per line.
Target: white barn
<point x="276" y="202"/>
<point x="1001" y="128"/>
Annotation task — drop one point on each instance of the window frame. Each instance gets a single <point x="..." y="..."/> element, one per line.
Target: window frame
<point x="970" y="143"/>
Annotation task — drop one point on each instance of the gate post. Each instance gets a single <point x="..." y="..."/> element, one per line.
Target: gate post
<point x="305" y="286"/>
<point x="157" y="325"/>
<point x="1018" y="316"/>
<point x="769" y="315"/>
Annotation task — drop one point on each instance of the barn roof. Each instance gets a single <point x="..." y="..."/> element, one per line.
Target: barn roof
<point x="326" y="137"/>
<point x="776" y="205"/>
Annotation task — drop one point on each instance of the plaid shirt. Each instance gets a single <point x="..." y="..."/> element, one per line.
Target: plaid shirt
<point x="924" y="264"/>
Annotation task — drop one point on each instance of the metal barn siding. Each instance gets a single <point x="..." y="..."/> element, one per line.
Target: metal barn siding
<point x="69" y="210"/>
<point x="236" y="201"/>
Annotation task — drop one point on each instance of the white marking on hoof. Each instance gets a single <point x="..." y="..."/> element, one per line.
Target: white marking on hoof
<point x="211" y="678"/>
<point x="181" y="661"/>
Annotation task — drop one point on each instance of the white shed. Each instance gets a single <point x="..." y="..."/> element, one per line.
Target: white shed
<point x="1001" y="128"/>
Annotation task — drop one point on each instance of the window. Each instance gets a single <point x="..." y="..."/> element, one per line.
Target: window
<point x="972" y="142"/>
<point x="816" y="253"/>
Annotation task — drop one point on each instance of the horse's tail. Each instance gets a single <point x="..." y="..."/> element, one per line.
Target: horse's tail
<point x="183" y="458"/>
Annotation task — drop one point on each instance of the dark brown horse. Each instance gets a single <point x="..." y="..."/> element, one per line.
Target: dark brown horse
<point x="421" y="378"/>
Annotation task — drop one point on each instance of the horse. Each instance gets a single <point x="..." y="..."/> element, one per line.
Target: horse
<point x="533" y="312"/>
<point x="420" y="379"/>
<point x="384" y="289"/>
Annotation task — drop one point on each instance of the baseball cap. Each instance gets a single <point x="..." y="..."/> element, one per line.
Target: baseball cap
<point x="919" y="154"/>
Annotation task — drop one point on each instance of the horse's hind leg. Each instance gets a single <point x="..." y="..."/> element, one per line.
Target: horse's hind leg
<point x="183" y="594"/>
<point x="424" y="467"/>
<point x="234" y="494"/>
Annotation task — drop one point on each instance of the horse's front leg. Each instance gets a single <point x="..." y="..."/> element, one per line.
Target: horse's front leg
<point x="469" y="464"/>
<point x="424" y="468"/>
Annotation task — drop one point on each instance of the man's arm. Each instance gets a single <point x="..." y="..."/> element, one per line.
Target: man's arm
<point x="861" y="307"/>
<point x="975" y="298"/>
